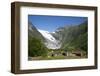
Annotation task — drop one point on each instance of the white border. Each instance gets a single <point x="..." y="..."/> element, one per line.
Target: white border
<point x="25" y="64"/>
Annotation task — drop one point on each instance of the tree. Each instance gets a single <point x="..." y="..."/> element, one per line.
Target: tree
<point x="36" y="47"/>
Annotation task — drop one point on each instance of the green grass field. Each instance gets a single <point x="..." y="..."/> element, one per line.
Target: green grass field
<point x="56" y="57"/>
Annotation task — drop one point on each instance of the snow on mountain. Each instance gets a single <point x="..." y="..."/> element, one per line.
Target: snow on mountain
<point x="51" y="42"/>
<point x="47" y="35"/>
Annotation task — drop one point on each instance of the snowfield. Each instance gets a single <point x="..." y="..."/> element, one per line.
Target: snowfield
<point x="51" y="42"/>
<point x="47" y="35"/>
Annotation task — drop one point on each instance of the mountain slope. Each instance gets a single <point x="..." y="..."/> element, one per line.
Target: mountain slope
<point x="73" y="36"/>
<point x="33" y="32"/>
<point x="36" y="41"/>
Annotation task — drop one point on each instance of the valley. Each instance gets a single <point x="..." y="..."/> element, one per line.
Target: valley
<point x="68" y="42"/>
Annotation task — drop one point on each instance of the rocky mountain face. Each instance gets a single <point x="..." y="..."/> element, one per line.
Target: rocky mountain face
<point x="63" y="37"/>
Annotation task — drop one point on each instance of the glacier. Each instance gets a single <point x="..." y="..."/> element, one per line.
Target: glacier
<point x="51" y="42"/>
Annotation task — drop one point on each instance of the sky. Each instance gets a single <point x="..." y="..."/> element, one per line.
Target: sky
<point x="51" y="23"/>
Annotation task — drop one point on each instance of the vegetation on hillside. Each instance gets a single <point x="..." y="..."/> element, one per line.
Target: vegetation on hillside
<point x="76" y="37"/>
<point x="36" y="48"/>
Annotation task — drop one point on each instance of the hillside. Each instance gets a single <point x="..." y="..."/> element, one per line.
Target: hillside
<point x="73" y="36"/>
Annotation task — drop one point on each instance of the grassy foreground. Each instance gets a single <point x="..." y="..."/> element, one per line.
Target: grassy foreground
<point x="55" y="58"/>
